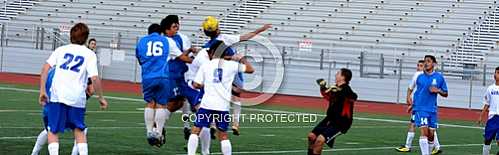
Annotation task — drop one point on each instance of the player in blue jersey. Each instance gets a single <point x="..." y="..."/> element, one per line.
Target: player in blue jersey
<point x="65" y="108"/>
<point x="153" y="52"/>
<point x="211" y="29"/>
<point x="429" y="85"/>
<point x="490" y="114"/>
<point x="177" y="69"/>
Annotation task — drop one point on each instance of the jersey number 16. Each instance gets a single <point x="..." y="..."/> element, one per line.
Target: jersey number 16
<point x="154" y="48"/>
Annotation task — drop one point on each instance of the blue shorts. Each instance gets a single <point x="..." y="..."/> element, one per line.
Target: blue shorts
<point x="158" y="90"/>
<point x="61" y="116"/>
<point x="238" y="80"/>
<point x="426" y="119"/>
<point x="204" y="117"/>
<point x="492" y="128"/>
<point x="192" y="95"/>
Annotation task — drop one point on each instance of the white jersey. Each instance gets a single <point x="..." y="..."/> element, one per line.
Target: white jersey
<point x="73" y="65"/>
<point x="412" y="85"/>
<point x="491" y="98"/>
<point x="186" y="42"/>
<point x="229" y="39"/>
<point x="217" y="76"/>
<point x="174" y="50"/>
<point x="198" y="61"/>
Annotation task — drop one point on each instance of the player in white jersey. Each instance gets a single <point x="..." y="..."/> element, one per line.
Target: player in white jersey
<point x="73" y="64"/>
<point x="216" y="78"/>
<point x="211" y="29"/>
<point x="490" y="114"/>
<point x="411" y="131"/>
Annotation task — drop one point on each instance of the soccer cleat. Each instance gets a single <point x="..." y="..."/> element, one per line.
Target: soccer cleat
<point x="152" y="138"/>
<point x="403" y="149"/>
<point x="213" y="131"/>
<point x="435" y="151"/>
<point x="187" y="133"/>
<point x="235" y="130"/>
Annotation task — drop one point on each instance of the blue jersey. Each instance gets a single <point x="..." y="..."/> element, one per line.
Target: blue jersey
<point x="177" y="67"/>
<point x="48" y="82"/>
<point x="152" y="53"/>
<point x="424" y="99"/>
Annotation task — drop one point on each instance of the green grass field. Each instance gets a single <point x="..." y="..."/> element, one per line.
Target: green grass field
<point x="120" y="130"/>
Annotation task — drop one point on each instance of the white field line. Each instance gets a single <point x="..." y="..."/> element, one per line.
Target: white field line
<point x="246" y="108"/>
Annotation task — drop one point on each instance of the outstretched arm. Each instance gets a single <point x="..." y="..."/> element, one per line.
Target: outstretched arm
<point x="323" y="88"/>
<point x="43" y="80"/>
<point x="248" y="36"/>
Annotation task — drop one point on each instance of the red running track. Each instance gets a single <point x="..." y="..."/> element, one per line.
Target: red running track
<point x="278" y="99"/>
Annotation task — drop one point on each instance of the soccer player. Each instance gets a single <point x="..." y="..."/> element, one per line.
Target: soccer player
<point x="73" y="63"/>
<point x="177" y="69"/>
<point x="339" y="115"/>
<point x="211" y="29"/>
<point x="153" y="51"/>
<point x="42" y="137"/>
<point x="216" y="78"/>
<point x="429" y="85"/>
<point x="490" y="114"/>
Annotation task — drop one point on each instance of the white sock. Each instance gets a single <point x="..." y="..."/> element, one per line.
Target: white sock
<point x="423" y="145"/>
<point x="149" y="118"/>
<point x="161" y="116"/>
<point x="436" y="142"/>
<point x="408" y="140"/>
<point x="186" y="111"/>
<point x="431" y="145"/>
<point x="486" y="149"/>
<point x="205" y="137"/>
<point x="75" y="149"/>
<point x="53" y="148"/>
<point x="82" y="148"/>
<point x="226" y="147"/>
<point x="237" y="111"/>
<point x="192" y="145"/>
<point x="40" y="141"/>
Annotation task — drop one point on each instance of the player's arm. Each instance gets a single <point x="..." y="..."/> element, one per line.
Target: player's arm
<point x="96" y="82"/>
<point x="483" y="115"/>
<point x="43" y="80"/>
<point x="248" y="68"/>
<point x="442" y="90"/>
<point x="248" y="36"/>
<point x="199" y="79"/>
<point x="176" y="53"/>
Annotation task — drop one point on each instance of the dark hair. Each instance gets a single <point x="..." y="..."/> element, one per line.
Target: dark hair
<point x="420" y="61"/>
<point x="91" y="39"/>
<point x="79" y="34"/>
<point x="154" y="28"/>
<point x="431" y="57"/>
<point x="347" y="74"/>
<point x="168" y="21"/>
<point x="497" y="69"/>
<point x="211" y="34"/>
<point x="217" y="48"/>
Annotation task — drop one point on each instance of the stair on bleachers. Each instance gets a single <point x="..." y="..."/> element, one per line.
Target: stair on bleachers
<point x="13" y="8"/>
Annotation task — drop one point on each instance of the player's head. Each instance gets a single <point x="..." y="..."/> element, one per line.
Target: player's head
<point x="343" y="76"/>
<point x="170" y="25"/>
<point x="217" y="50"/>
<point x="154" y="28"/>
<point x="79" y="34"/>
<point x="420" y="66"/>
<point x="92" y="44"/>
<point x="496" y="75"/>
<point x="210" y="27"/>
<point x="430" y="62"/>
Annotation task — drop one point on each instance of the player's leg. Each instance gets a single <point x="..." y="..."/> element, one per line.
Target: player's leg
<point x="432" y="140"/>
<point x="436" y="149"/>
<point x="56" y="122"/>
<point x="202" y="121"/>
<point x="490" y="133"/>
<point x="222" y="125"/>
<point x="40" y="141"/>
<point x="205" y="138"/>
<point x="186" y="112"/>
<point x="75" y="146"/>
<point x="148" y="90"/>
<point x="311" y="141"/>
<point x="318" y="145"/>
<point x="421" y="121"/>
<point x="236" y="111"/>
<point x="408" y="141"/>
<point x="77" y="124"/>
